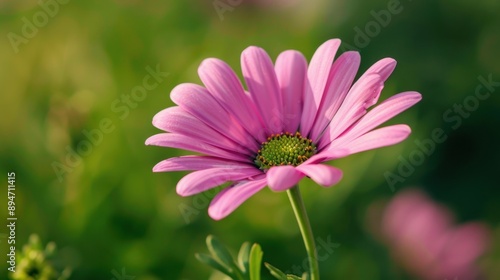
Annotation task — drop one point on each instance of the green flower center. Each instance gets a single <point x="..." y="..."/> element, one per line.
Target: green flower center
<point x="284" y="149"/>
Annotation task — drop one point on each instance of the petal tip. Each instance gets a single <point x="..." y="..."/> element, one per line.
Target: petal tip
<point x="149" y="141"/>
<point x="415" y="94"/>
<point x="215" y="214"/>
<point x="157" y="168"/>
<point x="389" y="61"/>
<point x="334" y="41"/>
<point x="182" y="192"/>
<point x="252" y="50"/>
<point x="282" y="178"/>
<point x="207" y="65"/>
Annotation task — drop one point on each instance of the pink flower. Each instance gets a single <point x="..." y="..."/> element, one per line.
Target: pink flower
<point x="422" y="238"/>
<point x="293" y="118"/>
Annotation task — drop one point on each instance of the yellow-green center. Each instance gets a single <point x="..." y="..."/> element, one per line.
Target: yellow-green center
<point x="284" y="149"/>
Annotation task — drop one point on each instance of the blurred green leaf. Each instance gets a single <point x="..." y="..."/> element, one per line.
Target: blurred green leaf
<point x="219" y="251"/>
<point x="276" y="272"/>
<point x="206" y="259"/>
<point x="255" y="261"/>
<point x="243" y="257"/>
<point x="222" y="260"/>
<point x="282" y="276"/>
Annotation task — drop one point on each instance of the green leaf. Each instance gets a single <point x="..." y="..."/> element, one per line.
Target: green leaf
<point x="305" y="276"/>
<point x="282" y="276"/>
<point x="222" y="255"/>
<point x="255" y="261"/>
<point x="206" y="259"/>
<point x="219" y="251"/>
<point x="276" y="272"/>
<point x="243" y="256"/>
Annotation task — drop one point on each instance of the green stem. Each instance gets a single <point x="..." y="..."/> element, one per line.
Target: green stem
<point x="305" y="228"/>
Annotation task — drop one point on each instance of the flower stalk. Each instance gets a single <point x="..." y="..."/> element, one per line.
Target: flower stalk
<point x="305" y="229"/>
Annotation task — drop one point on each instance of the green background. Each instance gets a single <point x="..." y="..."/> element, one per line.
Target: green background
<point x="108" y="211"/>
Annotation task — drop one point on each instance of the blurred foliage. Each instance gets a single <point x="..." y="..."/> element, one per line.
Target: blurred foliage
<point x="109" y="213"/>
<point x="246" y="267"/>
<point x="37" y="263"/>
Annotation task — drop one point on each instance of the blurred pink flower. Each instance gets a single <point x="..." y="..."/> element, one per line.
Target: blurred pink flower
<point x="422" y="238"/>
<point x="293" y="118"/>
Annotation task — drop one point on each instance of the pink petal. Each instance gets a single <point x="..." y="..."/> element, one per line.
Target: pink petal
<point x="232" y="197"/>
<point x="185" y="163"/>
<point x="411" y="220"/>
<point x="342" y="75"/>
<point x="197" y="101"/>
<point x="322" y="174"/>
<point x="327" y="155"/>
<point x="177" y="120"/>
<point x="291" y="67"/>
<point x="318" y="74"/>
<point x="383" y="68"/>
<point x="465" y="244"/>
<point x="206" y="179"/>
<point x="225" y="86"/>
<point x="396" y="214"/>
<point x="354" y="106"/>
<point x="260" y="77"/>
<point x="280" y="178"/>
<point x="319" y="69"/>
<point x="179" y="141"/>
<point x="382" y="113"/>
<point x="378" y="138"/>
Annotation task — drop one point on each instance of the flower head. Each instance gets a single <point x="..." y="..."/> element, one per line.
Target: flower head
<point x="291" y="119"/>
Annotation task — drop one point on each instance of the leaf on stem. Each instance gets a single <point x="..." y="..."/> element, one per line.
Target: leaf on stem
<point x="276" y="272"/>
<point x="246" y="267"/>
<point x="219" y="251"/>
<point x="206" y="259"/>
<point x="255" y="261"/>
<point x="243" y="257"/>
<point x="280" y="275"/>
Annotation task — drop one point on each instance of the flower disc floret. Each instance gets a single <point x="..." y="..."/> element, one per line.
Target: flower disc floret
<point x="284" y="149"/>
